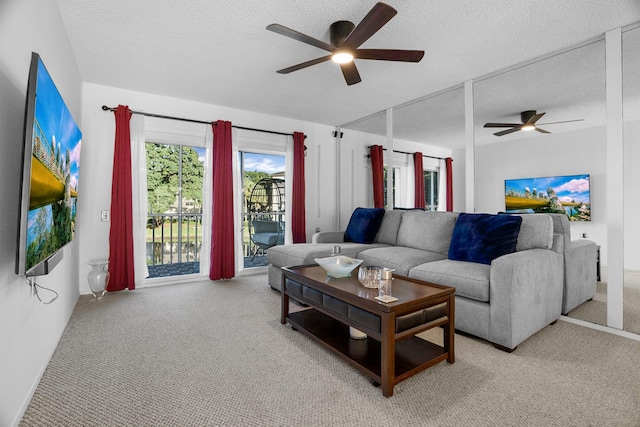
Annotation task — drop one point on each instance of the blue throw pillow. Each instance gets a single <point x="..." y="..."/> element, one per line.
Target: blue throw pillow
<point x="483" y="237"/>
<point x="363" y="225"/>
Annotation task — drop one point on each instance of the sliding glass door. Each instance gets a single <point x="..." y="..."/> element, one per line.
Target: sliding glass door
<point x="262" y="177"/>
<point x="175" y="176"/>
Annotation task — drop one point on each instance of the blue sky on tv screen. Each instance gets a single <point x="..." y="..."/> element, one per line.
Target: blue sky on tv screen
<point x="568" y="187"/>
<point x="56" y="121"/>
<point x="32" y="229"/>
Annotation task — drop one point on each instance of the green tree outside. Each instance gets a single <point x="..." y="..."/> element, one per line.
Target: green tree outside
<point x="163" y="179"/>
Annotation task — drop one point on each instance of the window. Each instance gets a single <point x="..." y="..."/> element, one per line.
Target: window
<point x="431" y="190"/>
<point x="395" y="182"/>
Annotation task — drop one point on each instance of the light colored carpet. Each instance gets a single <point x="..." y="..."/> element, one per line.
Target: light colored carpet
<point x="207" y="353"/>
<point x="595" y="311"/>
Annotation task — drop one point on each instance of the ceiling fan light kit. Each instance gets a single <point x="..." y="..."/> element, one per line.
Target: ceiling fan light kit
<point x="345" y="39"/>
<point x="342" y="57"/>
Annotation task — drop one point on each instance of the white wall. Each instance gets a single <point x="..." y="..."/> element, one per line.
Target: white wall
<point x="631" y="137"/>
<point x="97" y="158"/>
<point x="29" y="330"/>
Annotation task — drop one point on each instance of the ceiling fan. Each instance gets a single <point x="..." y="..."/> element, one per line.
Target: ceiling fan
<point x="345" y="38"/>
<point x="529" y="119"/>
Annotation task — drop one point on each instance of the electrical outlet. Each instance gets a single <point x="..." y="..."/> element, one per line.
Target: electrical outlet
<point x="104" y="216"/>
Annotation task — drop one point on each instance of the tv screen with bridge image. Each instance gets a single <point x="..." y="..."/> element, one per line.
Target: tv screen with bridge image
<point x="568" y="194"/>
<point x="50" y="171"/>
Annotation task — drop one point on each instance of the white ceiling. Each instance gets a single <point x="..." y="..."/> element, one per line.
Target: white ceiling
<point x="219" y="52"/>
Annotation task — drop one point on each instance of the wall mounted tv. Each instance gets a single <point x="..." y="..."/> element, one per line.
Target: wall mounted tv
<point x="49" y="180"/>
<point x="569" y="194"/>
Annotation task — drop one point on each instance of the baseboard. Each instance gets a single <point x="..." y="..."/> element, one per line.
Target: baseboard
<point x="602" y="328"/>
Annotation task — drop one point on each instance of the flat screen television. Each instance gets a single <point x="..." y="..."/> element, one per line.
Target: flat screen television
<point x="568" y="194"/>
<point x="49" y="180"/>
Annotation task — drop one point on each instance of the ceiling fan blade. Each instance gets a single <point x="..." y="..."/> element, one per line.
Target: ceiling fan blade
<point x="390" y="54"/>
<point x="304" y="65"/>
<point x="350" y="73"/>
<point x="377" y="17"/>
<point x="542" y="130"/>
<point x="501" y="125"/>
<point x="533" y="119"/>
<point x="296" y="35"/>
<point x="506" y="132"/>
<point x="564" y="121"/>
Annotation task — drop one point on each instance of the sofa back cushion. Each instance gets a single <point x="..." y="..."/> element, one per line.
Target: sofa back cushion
<point x="429" y="231"/>
<point x="388" y="232"/>
<point x="562" y="226"/>
<point x="536" y="231"/>
<point x="363" y="225"/>
<point x="482" y="238"/>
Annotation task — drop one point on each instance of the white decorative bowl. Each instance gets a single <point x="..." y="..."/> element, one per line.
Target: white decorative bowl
<point x="338" y="266"/>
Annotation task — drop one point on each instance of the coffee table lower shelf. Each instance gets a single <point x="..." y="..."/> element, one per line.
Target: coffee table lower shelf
<point x="412" y="354"/>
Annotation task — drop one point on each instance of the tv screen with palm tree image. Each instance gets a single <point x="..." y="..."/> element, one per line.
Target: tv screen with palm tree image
<point x="568" y="194"/>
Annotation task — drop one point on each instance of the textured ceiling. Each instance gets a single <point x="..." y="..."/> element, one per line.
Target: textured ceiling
<point x="219" y="52"/>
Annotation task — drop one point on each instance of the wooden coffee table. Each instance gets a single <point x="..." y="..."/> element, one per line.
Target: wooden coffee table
<point x="391" y="352"/>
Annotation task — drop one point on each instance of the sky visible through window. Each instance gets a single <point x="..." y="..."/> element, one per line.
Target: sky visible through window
<point x="263" y="162"/>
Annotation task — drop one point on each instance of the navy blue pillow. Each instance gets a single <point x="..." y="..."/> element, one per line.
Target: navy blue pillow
<point x="363" y="225"/>
<point x="483" y="237"/>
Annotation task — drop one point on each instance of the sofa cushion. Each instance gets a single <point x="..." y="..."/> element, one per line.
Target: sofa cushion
<point x="388" y="232"/>
<point x="470" y="279"/>
<point x="400" y="258"/>
<point x="536" y="231"/>
<point x="304" y="253"/>
<point x="363" y="225"/>
<point x="429" y="231"/>
<point x="483" y="237"/>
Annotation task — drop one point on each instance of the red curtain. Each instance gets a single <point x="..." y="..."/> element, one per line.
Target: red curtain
<point x="448" y="165"/>
<point x="121" y="266"/>
<point x="222" y="227"/>
<point x="378" y="175"/>
<point x="298" y="220"/>
<point x="419" y="180"/>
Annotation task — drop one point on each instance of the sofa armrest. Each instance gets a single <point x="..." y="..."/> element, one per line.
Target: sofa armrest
<point x="525" y="292"/>
<point x="580" y="260"/>
<point x="328" y="237"/>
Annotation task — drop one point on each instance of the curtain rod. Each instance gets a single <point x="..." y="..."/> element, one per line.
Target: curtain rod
<point x="424" y="155"/>
<point x="160" y="116"/>
<point x="404" y="152"/>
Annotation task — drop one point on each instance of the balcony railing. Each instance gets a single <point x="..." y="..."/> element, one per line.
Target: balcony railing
<point x="177" y="238"/>
<point x="174" y="238"/>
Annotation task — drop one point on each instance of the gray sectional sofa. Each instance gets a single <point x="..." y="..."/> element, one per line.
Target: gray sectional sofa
<point x="504" y="302"/>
